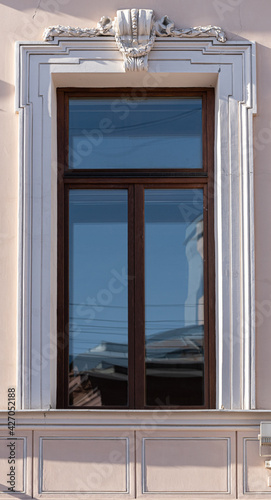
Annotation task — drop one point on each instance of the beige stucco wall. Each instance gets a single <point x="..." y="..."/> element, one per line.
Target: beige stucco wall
<point x="24" y="20"/>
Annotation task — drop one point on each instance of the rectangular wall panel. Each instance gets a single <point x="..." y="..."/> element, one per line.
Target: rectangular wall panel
<point x="83" y="463"/>
<point x="253" y="475"/>
<point x="18" y="448"/>
<point x="188" y="465"/>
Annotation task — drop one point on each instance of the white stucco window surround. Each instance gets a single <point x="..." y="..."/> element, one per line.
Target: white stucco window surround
<point x="185" y="62"/>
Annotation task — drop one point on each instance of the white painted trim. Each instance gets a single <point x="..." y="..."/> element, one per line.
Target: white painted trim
<point x="138" y="419"/>
<point x="42" y="66"/>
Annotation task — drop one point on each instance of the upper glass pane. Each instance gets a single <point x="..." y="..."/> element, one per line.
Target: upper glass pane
<point x="98" y="298"/>
<point x="126" y="133"/>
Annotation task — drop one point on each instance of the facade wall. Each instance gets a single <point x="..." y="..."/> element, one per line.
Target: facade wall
<point x="177" y="456"/>
<point x="184" y="454"/>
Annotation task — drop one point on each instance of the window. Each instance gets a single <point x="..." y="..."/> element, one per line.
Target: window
<point x="135" y="255"/>
<point x="229" y="68"/>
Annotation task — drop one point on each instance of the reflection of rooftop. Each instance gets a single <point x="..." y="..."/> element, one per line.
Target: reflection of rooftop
<point x="97" y="375"/>
<point x="170" y="349"/>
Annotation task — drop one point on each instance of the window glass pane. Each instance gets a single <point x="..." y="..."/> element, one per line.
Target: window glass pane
<point x="98" y="298"/>
<point x="174" y="311"/>
<point x="135" y="133"/>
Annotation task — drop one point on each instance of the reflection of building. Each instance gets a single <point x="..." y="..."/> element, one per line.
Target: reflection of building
<point x="194" y="307"/>
<point x="176" y="354"/>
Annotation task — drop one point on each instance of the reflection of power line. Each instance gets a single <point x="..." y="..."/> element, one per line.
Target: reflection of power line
<point x="98" y="319"/>
<point x="154" y="324"/>
<point x="107" y="332"/>
<point x="85" y="341"/>
<point x="115" y="331"/>
<point x="96" y="305"/>
<point x="126" y="307"/>
<point x="142" y="124"/>
<point x="124" y="321"/>
<point x="84" y="325"/>
<point x="162" y="347"/>
<point x="165" y="321"/>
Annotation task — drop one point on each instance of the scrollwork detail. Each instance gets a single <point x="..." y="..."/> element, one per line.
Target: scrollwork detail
<point x="166" y="27"/>
<point x="135" y="32"/>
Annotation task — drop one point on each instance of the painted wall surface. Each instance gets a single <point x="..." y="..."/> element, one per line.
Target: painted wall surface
<point x="212" y="457"/>
<point x="25" y="20"/>
<point x="197" y="459"/>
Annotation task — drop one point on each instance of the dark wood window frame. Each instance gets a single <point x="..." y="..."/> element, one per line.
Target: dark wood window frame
<point x="135" y="181"/>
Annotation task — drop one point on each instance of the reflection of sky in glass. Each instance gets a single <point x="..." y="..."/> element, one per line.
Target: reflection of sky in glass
<point x="130" y="133"/>
<point x="174" y="354"/>
<point x="98" y="296"/>
<point x="172" y="238"/>
<point x="98" y="270"/>
<point x="98" y="288"/>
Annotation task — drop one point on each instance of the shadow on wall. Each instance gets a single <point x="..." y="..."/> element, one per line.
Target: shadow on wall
<point x="196" y="15"/>
<point x="70" y="7"/>
<point x="43" y="13"/>
<point x="6" y="90"/>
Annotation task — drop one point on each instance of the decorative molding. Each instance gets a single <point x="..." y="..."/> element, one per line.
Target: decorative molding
<point x="22" y="464"/>
<point x="231" y="69"/>
<point x="165" y="27"/>
<point x="245" y="490"/>
<point x="113" y="420"/>
<point x="167" y="439"/>
<point x="135" y="34"/>
<point x="104" y="27"/>
<point x="135" y="31"/>
<point x="95" y="443"/>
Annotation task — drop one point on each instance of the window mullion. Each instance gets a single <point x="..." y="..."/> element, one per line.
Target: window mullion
<point x="131" y="296"/>
<point x="139" y="338"/>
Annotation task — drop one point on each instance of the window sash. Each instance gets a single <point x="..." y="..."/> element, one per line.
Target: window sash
<point x="136" y="186"/>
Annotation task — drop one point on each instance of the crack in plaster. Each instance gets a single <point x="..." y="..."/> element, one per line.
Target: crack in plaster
<point x="36" y="10"/>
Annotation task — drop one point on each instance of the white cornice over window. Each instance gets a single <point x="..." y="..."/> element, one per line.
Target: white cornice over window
<point x="173" y="61"/>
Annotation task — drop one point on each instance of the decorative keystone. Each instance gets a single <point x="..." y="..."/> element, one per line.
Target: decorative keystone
<point x="135" y="31"/>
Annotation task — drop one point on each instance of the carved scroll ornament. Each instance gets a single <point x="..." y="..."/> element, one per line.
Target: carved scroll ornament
<point x="135" y="31"/>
